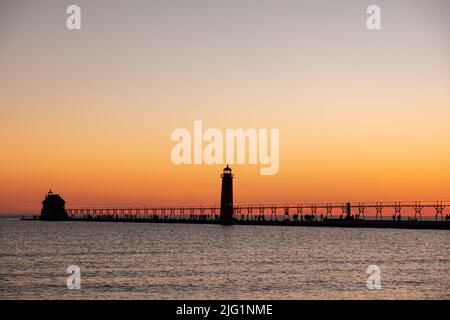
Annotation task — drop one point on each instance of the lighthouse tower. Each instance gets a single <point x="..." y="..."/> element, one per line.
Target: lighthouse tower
<point x="226" y="199"/>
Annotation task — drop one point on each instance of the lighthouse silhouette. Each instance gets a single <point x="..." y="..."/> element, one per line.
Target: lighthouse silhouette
<point x="226" y="199"/>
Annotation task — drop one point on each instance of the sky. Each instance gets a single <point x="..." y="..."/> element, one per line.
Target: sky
<point x="363" y="115"/>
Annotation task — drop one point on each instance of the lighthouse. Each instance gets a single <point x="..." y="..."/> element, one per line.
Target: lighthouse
<point x="226" y="199"/>
<point x="53" y="207"/>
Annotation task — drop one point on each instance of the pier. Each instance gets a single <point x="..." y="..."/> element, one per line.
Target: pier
<point x="396" y="214"/>
<point x="379" y="214"/>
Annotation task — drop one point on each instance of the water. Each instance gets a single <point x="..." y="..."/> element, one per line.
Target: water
<point x="170" y="261"/>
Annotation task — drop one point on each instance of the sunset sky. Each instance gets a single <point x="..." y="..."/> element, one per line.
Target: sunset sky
<point x="363" y="115"/>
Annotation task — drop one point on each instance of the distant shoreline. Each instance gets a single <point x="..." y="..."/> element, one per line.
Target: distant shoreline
<point x="14" y="216"/>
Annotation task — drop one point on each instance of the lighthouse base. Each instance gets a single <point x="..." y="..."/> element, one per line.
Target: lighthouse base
<point x="226" y="220"/>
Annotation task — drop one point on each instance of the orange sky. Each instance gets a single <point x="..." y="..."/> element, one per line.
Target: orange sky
<point x="363" y="115"/>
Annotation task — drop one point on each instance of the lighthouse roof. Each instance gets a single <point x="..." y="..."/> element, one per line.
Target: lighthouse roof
<point x="53" y="198"/>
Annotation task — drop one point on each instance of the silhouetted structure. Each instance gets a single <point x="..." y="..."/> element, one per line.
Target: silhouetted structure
<point x="226" y="199"/>
<point x="53" y="207"/>
<point x="348" y="211"/>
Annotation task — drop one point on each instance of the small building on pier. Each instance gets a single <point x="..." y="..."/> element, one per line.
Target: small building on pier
<point x="53" y="207"/>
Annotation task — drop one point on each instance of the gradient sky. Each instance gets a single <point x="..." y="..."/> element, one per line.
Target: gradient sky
<point x="363" y="115"/>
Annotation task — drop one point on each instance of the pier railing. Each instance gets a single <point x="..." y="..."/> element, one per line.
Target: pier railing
<point x="312" y="211"/>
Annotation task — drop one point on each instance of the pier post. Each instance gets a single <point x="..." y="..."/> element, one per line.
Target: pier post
<point x="273" y="214"/>
<point x="348" y="209"/>
<point x="213" y="212"/>
<point x="398" y="209"/>
<point x="250" y="208"/>
<point x="261" y="212"/>
<point x="300" y="211"/>
<point x="286" y="212"/>
<point x="329" y="207"/>
<point x="314" y="210"/>
<point x="439" y="207"/>
<point x="379" y="209"/>
<point x="361" y="209"/>
<point x="418" y="209"/>
<point x="239" y="212"/>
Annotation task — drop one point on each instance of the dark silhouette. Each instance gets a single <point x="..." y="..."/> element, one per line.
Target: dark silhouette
<point x="53" y="207"/>
<point x="348" y="211"/>
<point x="226" y="199"/>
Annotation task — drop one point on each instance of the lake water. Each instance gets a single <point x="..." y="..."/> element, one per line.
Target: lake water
<point x="179" y="261"/>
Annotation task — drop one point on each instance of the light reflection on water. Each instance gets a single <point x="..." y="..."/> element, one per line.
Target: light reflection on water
<point x="177" y="261"/>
